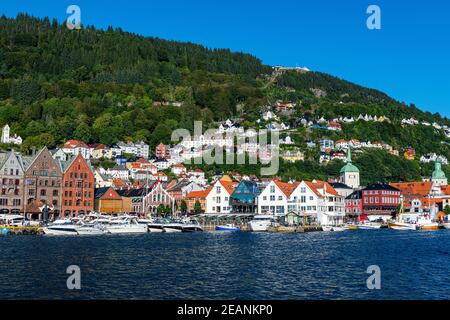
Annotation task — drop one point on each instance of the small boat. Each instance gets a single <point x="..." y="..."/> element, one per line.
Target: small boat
<point x="90" y="230"/>
<point x="172" y="227"/>
<point x="402" y="226"/>
<point x="227" y="227"/>
<point x="260" y="223"/>
<point x="61" y="228"/>
<point x="428" y="226"/>
<point x="192" y="226"/>
<point x="333" y="228"/>
<point x="446" y="225"/>
<point x="126" y="225"/>
<point x="369" y="225"/>
<point x="156" y="227"/>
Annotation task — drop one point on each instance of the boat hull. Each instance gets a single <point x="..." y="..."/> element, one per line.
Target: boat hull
<point x="60" y="232"/>
<point x="127" y="230"/>
<point x="402" y="226"/>
<point x="225" y="228"/>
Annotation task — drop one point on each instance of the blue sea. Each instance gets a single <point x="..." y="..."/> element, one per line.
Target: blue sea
<point x="221" y="265"/>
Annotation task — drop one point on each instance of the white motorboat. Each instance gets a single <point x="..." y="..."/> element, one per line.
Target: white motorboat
<point x="156" y="227"/>
<point x="260" y="223"/>
<point x="61" y="227"/>
<point x="126" y="225"/>
<point x="173" y="227"/>
<point x="369" y="225"/>
<point x="192" y="226"/>
<point x="90" y="230"/>
<point x="333" y="228"/>
<point x="446" y="225"/>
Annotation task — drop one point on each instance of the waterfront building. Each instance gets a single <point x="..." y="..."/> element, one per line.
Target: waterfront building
<point x="319" y="201"/>
<point x="42" y="186"/>
<point x="218" y="199"/>
<point x="380" y="201"/>
<point x="342" y="189"/>
<point x="11" y="183"/>
<point x="274" y="198"/>
<point x="197" y="196"/>
<point x="156" y="197"/>
<point x="349" y="174"/>
<point x="415" y="190"/>
<point x="354" y="205"/>
<point x="108" y="201"/>
<point x="134" y="197"/>
<point x="78" y="187"/>
<point x="245" y="197"/>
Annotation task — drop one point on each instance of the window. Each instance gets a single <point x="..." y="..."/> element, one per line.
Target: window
<point x="272" y="189"/>
<point x="272" y="198"/>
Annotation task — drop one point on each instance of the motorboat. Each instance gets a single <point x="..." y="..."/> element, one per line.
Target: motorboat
<point x="227" y="227"/>
<point x="402" y="226"/>
<point x="64" y="227"/>
<point x="174" y="226"/>
<point x="126" y="225"/>
<point x="369" y="225"/>
<point x="260" y="223"/>
<point x="156" y="226"/>
<point x="91" y="230"/>
<point x="192" y="226"/>
<point x="446" y="225"/>
<point x="333" y="228"/>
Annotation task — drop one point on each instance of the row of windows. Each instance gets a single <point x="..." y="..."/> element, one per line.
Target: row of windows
<point x="82" y="175"/>
<point x="78" y="194"/>
<point x="383" y="200"/>
<point x="385" y="192"/>
<point x="10" y="182"/>
<point x="79" y="184"/>
<point x="43" y="192"/>
<point x="77" y="203"/>
<point x="12" y="172"/>
<point x="272" y="209"/>
<point x="6" y="191"/>
<point x="219" y="199"/>
<point x="15" y="202"/>
<point x="218" y="209"/>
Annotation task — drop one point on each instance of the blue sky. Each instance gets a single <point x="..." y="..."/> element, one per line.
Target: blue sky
<point x="409" y="58"/>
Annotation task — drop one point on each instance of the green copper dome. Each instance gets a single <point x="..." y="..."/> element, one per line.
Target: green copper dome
<point x="438" y="173"/>
<point x="349" y="167"/>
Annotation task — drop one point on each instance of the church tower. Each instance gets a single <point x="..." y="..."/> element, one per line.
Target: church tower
<point x="349" y="174"/>
<point x="5" y="134"/>
<point x="438" y="178"/>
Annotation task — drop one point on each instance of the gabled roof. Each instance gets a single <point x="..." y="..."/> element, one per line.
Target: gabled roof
<point x="328" y="188"/>
<point x="71" y="144"/>
<point x="107" y="193"/>
<point x="198" y="194"/>
<point x="414" y="189"/>
<point x="286" y="188"/>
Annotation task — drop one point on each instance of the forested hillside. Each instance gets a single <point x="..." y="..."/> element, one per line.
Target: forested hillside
<point x="103" y="86"/>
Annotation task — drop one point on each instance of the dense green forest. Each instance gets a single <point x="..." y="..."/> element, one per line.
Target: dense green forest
<point x="103" y="86"/>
